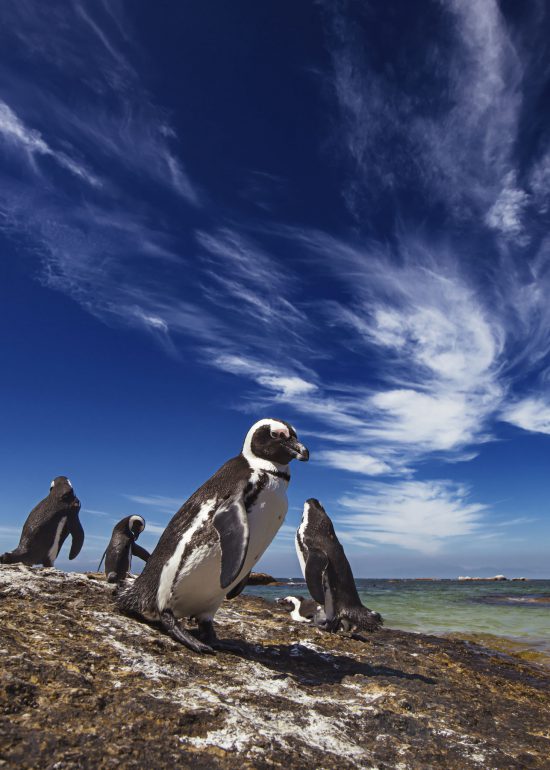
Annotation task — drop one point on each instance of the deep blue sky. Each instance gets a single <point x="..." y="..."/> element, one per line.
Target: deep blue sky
<point x="335" y="213"/>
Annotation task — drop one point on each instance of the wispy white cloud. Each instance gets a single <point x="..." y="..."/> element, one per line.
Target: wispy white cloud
<point x="159" y="502"/>
<point x="456" y="136"/>
<point x="152" y="528"/>
<point x="10" y="531"/>
<point x="506" y="213"/>
<point x="531" y="414"/>
<point x="353" y="461"/>
<point x="115" y="120"/>
<point x="441" y="343"/>
<point x="281" y="383"/>
<point x="418" y="515"/>
<point x="520" y="520"/>
<point x="245" y="280"/>
<point x="31" y="142"/>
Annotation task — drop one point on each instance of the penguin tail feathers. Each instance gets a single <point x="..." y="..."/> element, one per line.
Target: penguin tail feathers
<point x="127" y="600"/>
<point x="360" y="619"/>
<point x="101" y="562"/>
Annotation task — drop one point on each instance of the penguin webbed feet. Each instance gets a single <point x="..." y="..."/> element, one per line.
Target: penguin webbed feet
<point x="359" y="619"/>
<point x="179" y="634"/>
<point x="208" y="635"/>
<point x="352" y="622"/>
<point x="14" y="557"/>
<point x="324" y="624"/>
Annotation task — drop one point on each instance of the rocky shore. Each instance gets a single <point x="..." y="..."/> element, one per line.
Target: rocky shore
<point x="84" y="687"/>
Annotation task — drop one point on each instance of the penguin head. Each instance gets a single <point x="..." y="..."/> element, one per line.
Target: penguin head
<point x="275" y="441"/>
<point x="62" y="489"/>
<point x="315" y="516"/>
<point x="136" y="525"/>
<point x="289" y="603"/>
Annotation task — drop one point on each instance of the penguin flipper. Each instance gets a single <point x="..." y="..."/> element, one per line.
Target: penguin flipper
<point x="140" y="552"/>
<point x="77" y="536"/>
<point x="231" y="523"/>
<point x="238" y="589"/>
<point x="316" y="565"/>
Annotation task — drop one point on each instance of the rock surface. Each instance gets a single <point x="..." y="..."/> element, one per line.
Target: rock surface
<point x="261" y="579"/>
<point x="84" y="687"/>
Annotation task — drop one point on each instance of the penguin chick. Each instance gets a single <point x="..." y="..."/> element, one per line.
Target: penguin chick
<point x="208" y="549"/>
<point x="48" y="526"/>
<point x="328" y="574"/>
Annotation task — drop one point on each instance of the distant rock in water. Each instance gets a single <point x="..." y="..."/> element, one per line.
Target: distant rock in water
<point x="83" y="686"/>
<point x="261" y="579"/>
<point x="496" y="577"/>
<point x="534" y="600"/>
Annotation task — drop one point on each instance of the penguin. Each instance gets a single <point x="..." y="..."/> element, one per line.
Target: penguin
<point x="212" y="543"/>
<point x="47" y="527"/>
<point x="328" y="574"/>
<point x="122" y="546"/>
<point x="303" y="610"/>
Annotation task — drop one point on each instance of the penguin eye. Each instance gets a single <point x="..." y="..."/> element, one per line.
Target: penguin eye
<point x="278" y="434"/>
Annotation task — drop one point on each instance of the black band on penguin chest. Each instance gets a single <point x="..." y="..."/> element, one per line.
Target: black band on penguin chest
<point x="253" y="491"/>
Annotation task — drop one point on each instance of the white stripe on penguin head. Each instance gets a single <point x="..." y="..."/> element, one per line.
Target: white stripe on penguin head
<point x="258" y="463"/>
<point x="133" y="519"/>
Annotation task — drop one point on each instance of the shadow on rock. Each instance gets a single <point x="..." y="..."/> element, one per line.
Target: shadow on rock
<point x="310" y="666"/>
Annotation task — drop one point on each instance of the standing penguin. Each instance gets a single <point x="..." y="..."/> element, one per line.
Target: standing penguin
<point x="328" y="574"/>
<point x="211" y="544"/>
<point x="122" y="545"/>
<point x="47" y="527"/>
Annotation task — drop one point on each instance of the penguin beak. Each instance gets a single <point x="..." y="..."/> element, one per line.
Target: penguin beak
<point x="300" y="451"/>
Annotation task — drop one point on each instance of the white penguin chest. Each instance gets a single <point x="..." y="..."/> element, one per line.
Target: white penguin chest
<point x="54" y="549"/>
<point x="265" y="518"/>
<point x="196" y="589"/>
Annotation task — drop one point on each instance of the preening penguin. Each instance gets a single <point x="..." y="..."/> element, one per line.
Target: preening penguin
<point x="121" y="548"/>
<point x="328" y="574"/>
<point x="210" y="546"/>
<point x="47" y="527"/>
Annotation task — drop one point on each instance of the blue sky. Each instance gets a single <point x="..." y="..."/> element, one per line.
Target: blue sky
<point x="335" y="213"/>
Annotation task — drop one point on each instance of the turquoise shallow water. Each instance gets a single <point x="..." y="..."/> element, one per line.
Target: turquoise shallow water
<point x="508" y="609"/>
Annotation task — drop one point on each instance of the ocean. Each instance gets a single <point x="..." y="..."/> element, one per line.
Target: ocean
<point x="510" y="616"/>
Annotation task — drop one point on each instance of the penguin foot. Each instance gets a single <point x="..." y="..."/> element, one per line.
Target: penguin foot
<point x="10" y="557"/>
<point x="330" y="626"/>
<point x="208" y="635"/>
<point x="173" y="629"/>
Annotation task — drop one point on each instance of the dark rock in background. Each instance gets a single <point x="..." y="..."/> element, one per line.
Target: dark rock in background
<point x="84" y="687"/>
<point x="262" y="579"/>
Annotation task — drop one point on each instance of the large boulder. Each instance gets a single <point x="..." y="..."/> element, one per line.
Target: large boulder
<point x="82" y="686"/>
